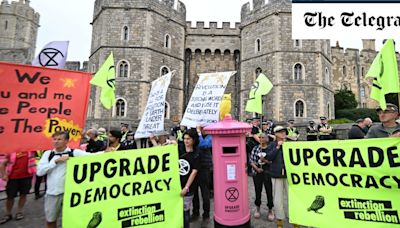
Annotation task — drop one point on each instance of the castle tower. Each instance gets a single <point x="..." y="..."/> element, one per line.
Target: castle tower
<point x="300" y="70"/>
<point x="18" y="31"/>
<point x="147" y="38"/>
<point x="369" y="44"/>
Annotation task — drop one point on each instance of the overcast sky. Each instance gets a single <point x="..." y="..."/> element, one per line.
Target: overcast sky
<point x="70" y="20"/>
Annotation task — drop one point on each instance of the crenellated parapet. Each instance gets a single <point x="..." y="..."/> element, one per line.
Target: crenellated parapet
<point x="262" y="9"/>
<point x="21" y="9"/>
<point x="166" y="8"/>
<point x="212" y="28"/>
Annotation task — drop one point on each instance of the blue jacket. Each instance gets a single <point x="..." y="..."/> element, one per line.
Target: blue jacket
<point x="277" y="167"/>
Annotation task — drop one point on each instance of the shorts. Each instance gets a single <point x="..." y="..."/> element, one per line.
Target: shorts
<point x="21" y="186"/>
<point x="53" y="207"/>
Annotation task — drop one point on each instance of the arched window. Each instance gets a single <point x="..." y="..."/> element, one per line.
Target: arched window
<point x="167" y="41"/>
<point x="258" y="45"/>
<point x="297" y="43"/>
<point x="344" y="71"/>
<point x="362" y="91"/>
<point x="362" y="72"/>
<point x="120" y="107"/>
<point x="354" y="70"/>
<point x="164" y="70"/>
<point x="298" y="71"/>
<point x="93" y="68"/>
<point x="125" y="33"/>
<point x="327" y="77"/>
<point x="123" y="69"/>
<point x="166" y="112"/>
<point x="89" y="110"/>
<point x="6" y="25"/>
<point x="299" y="109"/>
<point x="258" y="71"/>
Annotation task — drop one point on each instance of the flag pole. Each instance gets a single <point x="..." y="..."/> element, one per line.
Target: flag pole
<point x="109" y="127"/>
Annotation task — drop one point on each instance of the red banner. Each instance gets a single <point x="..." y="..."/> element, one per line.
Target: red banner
<point x="35" y="102"/>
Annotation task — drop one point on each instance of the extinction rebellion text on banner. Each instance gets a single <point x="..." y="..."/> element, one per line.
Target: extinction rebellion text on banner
<point x="332" y="19"/>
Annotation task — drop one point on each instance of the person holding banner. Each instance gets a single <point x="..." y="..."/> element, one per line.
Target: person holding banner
<point x="189" y="164"/>
<point x="114" y="138"/>
<point x="388" y="124"/>
<point x="277" y="171"/>
<point x="53" y="163"/>
<point x="260" y="168"/>
<point x="17" y="169"/>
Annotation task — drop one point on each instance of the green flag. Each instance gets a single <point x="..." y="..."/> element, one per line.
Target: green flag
<point x="261" y="86"/>
<point x="385" y="74"/>
<point x="105" y="78"/>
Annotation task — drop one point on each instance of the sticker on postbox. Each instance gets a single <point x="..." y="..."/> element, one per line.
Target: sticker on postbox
<point x="231" y="172"/>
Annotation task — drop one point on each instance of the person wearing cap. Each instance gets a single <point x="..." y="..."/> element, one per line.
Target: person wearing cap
<point x="129" y="143"/>
<point x="124" y="131"/>
<point x="266" y="128"/>
<point x="388" y="124"/>
<point x="312" y="131"/>
<point x="277" y="172"/>
<point x="292" y="132"/>
<point x="324" y="129"/>
<point x="356" y="131"/>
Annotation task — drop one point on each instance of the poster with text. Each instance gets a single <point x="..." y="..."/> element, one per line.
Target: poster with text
<point x="203" y="106"/>
<point x="347" y="183"/>
<point x="35" y="102"/>
<point x="131" y="188"/>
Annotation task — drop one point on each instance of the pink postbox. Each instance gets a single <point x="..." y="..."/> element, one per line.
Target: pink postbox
<point x="231" y="202"/>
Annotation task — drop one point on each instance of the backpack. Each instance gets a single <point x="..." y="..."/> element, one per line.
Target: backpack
<point x="52" y="154"/>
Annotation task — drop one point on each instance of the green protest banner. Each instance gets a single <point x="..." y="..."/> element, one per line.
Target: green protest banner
<point x="124" y="189"/>
<point x="348" y="183"/>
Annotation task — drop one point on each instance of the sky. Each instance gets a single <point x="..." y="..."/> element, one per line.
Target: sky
<point x="70" y="20"/>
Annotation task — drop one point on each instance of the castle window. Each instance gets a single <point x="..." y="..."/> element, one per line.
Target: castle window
<point x="6" y="25"/>
<point x="125" y="33"/>
<point x="258" y="71"/>
<point x="362" y="91"/>
<point x="258" y="45"/>
<point x="167" y="41"/>
<point x="93" y="68"/>
<point x="329" y="110"/>
<point x="164" y="70"/>
<point x="363" y="105"/>
<point x="354" y="70"/>
<point x="123" y="69"/>
<point x="344" y="71"/>
<point x="299" y="109"/>
<point x="327" y="78"/>
<point x="120" y="108"/>
<point x="362" y="71"/>
<point x="167" y="111"/>
<point x="298" y="71"/>
<point x="297" y="43"/>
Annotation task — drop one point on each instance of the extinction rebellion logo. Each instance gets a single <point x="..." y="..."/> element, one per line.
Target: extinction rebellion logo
<point x="141" y="215"/>
<point x="369" y="210"/>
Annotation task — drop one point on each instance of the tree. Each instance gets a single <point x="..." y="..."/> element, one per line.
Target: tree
<point x="345" y="99"/>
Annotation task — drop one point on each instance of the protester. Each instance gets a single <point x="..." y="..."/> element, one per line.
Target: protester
<point x="267" y="128"/>
<point x="203" y="178"/>
<point x="53" y="164"/>
<point x="17" y="170"/>
<point x="368" y="124"/>
<point x="93" y="144"/>
<point x="102" y="136"/>
<point x="189" y="162"/>
<point x="261" y="177"/>
<point x="388" y="123"/>
<point x="161" y="140"/>
<point x="357" y="130"/>
<point x="114" y="138"/>
<point x="278" y="173"/>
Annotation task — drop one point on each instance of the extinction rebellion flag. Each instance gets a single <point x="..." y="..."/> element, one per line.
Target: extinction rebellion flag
<point x="347" y="183"/>
<point x="35" y="102"/>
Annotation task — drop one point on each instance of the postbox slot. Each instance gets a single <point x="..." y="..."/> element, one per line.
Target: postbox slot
<point x="229" y="150"/>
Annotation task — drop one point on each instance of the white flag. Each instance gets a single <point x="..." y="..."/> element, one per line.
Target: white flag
<point x="152" y="121"/>
<point x="53" y="55"/>
<point x="203" y="107"/>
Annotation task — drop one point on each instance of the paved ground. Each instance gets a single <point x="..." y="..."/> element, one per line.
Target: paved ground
<point x="34" y="214"/>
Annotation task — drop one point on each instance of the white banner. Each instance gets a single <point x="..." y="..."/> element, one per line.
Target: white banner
<point x="152" y="121"/>
<point x="203" y="107"/>
<point x="345" y="21"/>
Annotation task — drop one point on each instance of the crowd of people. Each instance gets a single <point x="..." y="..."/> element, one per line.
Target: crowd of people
<point x="263" y="146"/>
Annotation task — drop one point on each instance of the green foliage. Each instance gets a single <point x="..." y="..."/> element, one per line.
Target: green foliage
<point x="340" y="121"/>
<point x="345" y="99"/>
<point x="357" y="113"/>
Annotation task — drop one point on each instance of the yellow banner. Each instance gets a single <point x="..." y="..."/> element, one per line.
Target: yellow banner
<point x="124" y="189"/>
<point x="347" y="183"/>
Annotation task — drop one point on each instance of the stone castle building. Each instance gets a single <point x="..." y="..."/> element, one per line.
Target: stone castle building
<point x="152" y="37"/>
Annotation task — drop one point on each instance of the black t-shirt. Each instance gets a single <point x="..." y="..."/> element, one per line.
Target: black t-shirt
<point x="188" y="161"/>
<point x="94" y="146"/>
